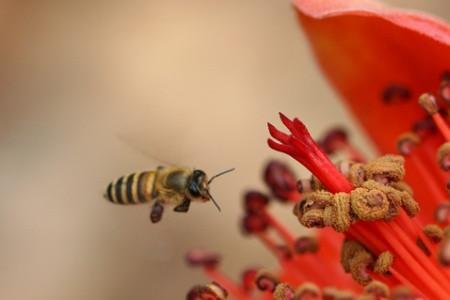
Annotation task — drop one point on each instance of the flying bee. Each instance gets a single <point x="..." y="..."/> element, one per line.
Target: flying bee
<point x="176" y="186"/>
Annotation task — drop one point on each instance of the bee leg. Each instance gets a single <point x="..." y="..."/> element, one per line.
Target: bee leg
<point x="154" y="192"/>
<point x="157" y="212"/>
<point x="183" y="207"/>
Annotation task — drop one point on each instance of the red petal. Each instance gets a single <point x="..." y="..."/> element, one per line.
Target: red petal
<point x="363" y="47"/>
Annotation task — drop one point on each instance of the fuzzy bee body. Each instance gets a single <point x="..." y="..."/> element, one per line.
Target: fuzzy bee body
<point x="141" y="187"/>
<point x="176" y="186"/>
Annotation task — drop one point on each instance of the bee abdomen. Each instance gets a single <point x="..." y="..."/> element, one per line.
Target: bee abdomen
<point x="132" y="189"/>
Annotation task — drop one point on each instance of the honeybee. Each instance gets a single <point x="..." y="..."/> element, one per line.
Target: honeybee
<point x="175" y="186"/>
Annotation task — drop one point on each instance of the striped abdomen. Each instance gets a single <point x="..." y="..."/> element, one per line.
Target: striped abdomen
<point x="132" y="189"/>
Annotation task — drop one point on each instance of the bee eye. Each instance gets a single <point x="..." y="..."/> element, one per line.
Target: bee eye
<point x="193" y="190"/>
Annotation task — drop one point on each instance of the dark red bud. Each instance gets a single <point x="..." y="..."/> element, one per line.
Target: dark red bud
<point x="199" y="257"/>
<point x="266" y="281"/>
<point x="281" y="180"/>
<point x="306" y="244"/>
<point x="254" y="223"/>
<point x="424" y="127"/>
<point x="395" y="92"/>
<point x="333" y="140"/>
<point x="255" y="202"/>
<point x="284" y="252"/>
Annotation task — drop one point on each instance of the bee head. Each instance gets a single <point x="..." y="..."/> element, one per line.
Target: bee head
<point x="198" y="186"/>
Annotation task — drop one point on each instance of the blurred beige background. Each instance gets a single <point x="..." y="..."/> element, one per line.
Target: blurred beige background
<point x="93" y="90"/>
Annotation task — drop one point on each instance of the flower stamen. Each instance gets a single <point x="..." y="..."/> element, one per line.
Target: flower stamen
<point x="429" y="104"/>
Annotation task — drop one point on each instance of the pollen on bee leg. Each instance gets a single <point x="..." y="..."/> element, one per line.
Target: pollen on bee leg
<point x="443" y="156"/>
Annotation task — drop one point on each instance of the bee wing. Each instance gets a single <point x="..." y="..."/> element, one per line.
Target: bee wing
<point x="139" y="147"/>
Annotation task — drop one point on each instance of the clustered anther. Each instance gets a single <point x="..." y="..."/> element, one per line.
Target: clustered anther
<point x="377" y="289"/>
<point x="284" y="291"/>
<point x="428" y="103"/>
<point x="332" y="293"/>
<point x="407" y="142"/>
<point x="310" y="291"/>
<point x="443" y="156"/>
<point x="379" y="193"/>
<point x="383" y="263"/>
<point x="404" y="292"/>
<point x="444" y="248"/>
<point x="307" y="290"/>
<point x="433" y="232"/>
<point x="356" y="260"/>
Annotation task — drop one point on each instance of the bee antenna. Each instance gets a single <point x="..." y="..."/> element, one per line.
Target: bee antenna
<point x="214" y="201"/>
<point x="220" y="174"/>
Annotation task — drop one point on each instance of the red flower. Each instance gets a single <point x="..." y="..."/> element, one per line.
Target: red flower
<point x="381" y="60"/>
<point x="363" y="48"/>
<point x="384" y="63"/>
